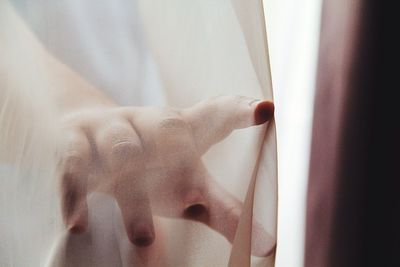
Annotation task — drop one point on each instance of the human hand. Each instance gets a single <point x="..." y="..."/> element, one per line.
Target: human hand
<point x="149" y="159"/>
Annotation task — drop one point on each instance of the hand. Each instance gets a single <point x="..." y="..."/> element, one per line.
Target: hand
<point x="149" y="159"/>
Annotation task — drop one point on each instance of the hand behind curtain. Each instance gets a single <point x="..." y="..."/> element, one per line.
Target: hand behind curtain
<point x="149" y="160"/>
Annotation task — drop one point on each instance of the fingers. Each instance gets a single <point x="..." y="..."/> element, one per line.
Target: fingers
<point x="137" y="216"/>
<point x="225" y="211"/>
<point x="120" y="150"/>
<point x="75" y="161"/>
<point x="214" y="119"/>
<point x="221" y="211"/>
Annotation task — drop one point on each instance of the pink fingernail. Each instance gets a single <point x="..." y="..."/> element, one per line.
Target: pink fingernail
<point x="264" y="112"/>
<point x="143" y="236"/>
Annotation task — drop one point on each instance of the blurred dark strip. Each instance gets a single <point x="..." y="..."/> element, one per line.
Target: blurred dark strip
<point x="353" y="205"/>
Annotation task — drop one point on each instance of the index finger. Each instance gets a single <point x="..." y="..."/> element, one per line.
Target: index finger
<point x="213" y="120"/>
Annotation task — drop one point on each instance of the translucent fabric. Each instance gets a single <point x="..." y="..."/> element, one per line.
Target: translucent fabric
<point x="139" y="53"/>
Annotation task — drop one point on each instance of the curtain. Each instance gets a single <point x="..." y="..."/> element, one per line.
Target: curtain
<point x="136" y="53"/>
<point x="352" y="205"/>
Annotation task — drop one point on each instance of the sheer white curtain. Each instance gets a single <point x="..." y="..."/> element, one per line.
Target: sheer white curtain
<point x="140" y="53"/>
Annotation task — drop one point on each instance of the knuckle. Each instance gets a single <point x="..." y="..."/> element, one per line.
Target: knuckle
<point x="173" y="123"/>
<point x="74" y="163"/>
<point x="116" y="133"/>
<point x="119" y="143"/>
<point x="126" y="149"/>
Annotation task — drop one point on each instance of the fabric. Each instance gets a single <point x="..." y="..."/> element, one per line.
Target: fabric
<point x="330" y="98"/>
<point x="352" y="207"/>
<point x="140" y="53"/>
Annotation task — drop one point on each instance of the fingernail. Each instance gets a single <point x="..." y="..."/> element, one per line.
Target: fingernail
<point x="264" y="112"/>
<point x="143" y="236"/>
